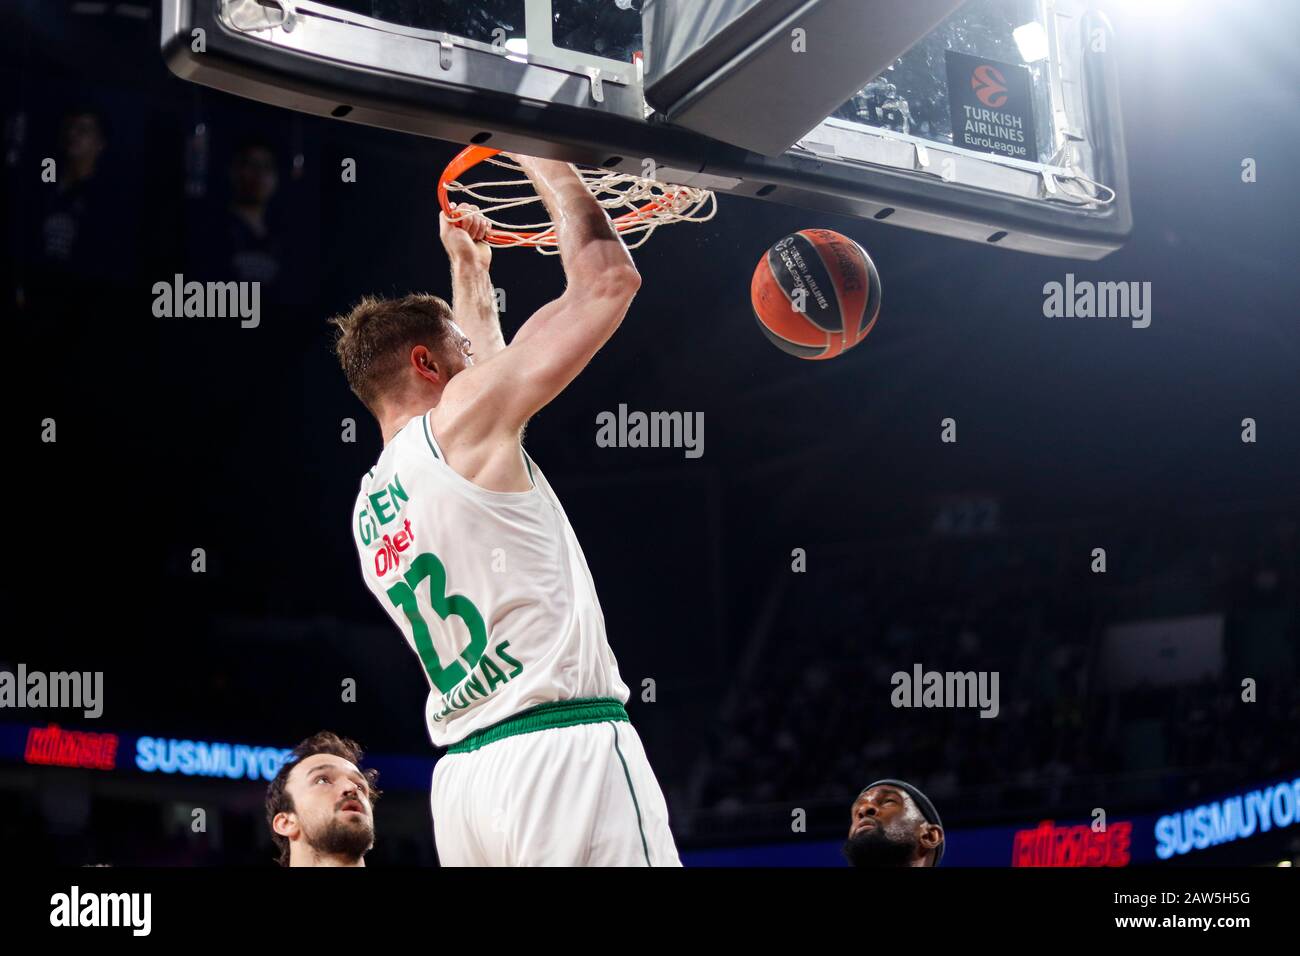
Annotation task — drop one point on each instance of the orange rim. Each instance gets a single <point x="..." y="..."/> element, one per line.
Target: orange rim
<point x="471" y="156"/>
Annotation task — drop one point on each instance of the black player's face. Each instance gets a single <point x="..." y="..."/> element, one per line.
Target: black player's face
<point x="331" y="800"/>
<point x="879" y="807"/>
<point x="883" y="829"/>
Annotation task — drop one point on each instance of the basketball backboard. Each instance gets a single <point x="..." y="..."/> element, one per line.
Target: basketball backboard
<point x="996" y="122"/>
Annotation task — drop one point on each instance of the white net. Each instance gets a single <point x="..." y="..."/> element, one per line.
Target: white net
<point x="637" y="206"/>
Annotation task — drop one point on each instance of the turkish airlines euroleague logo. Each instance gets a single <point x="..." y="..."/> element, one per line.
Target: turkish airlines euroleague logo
<point x="989" y="85"/>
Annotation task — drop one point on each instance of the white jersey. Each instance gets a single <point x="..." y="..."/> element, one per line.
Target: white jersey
<point x="490" y="588"/>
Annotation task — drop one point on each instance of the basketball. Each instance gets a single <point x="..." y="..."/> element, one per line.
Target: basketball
<point x="816" y="294"/>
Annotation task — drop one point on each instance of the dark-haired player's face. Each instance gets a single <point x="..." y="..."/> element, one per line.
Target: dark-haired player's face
<point x="882" y="828"/>
<point x="331" y="801"/>
<point x="462" y="354"/>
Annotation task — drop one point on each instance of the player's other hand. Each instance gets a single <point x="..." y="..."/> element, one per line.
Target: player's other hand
<point x="464" y="236"/>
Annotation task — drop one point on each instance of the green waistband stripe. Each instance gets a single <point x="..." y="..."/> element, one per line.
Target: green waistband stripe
<point x="558" y="713"/>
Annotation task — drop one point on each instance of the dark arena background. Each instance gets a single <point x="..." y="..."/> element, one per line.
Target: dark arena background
<point x="1105" y="515"/>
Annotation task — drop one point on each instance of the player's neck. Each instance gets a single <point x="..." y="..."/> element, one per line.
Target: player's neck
<point x="393" y="420"/>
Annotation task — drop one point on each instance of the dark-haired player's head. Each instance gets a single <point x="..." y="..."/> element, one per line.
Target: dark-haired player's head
<point x="320" y="806"/>
<point x="892" y="823"/>
<point x="398" y="352"/>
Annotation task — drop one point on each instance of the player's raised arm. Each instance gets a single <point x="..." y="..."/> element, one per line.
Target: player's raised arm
<point x="473" y="298"/>
<point x="497" y="396"/>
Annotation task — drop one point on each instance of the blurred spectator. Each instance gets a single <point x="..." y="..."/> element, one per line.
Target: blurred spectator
<point x="239" y="242"/>
<point x="84" y="236"/>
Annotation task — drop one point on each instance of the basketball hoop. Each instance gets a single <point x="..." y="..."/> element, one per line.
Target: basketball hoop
<point x="646" y="204"/>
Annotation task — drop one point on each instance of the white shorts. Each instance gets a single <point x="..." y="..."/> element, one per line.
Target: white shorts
<point x="582" y="795"/>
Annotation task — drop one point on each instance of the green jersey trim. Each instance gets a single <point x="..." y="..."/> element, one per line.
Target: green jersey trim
<point x="559" y="713"/>
<point x="528" y="462"/>
<point x="428" y="436"/>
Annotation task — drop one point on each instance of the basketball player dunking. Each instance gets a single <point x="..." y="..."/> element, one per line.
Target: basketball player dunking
<point x="466" y="546"/>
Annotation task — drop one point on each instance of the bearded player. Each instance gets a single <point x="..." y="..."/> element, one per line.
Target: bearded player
<point x="466" y="546"/>
<point x="893" y="823"/>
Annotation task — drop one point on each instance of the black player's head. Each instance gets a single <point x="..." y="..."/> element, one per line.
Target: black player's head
<point x="400" y="351"/>
<point x="892" y="823"/>
<point x="320" y="806"/>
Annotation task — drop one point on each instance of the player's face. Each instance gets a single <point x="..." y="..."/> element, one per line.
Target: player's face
<point x="331" y="800"/>
<point x="880" y="807"/>
<point x="887" y="829"/>
<point x="463" y="354"/>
